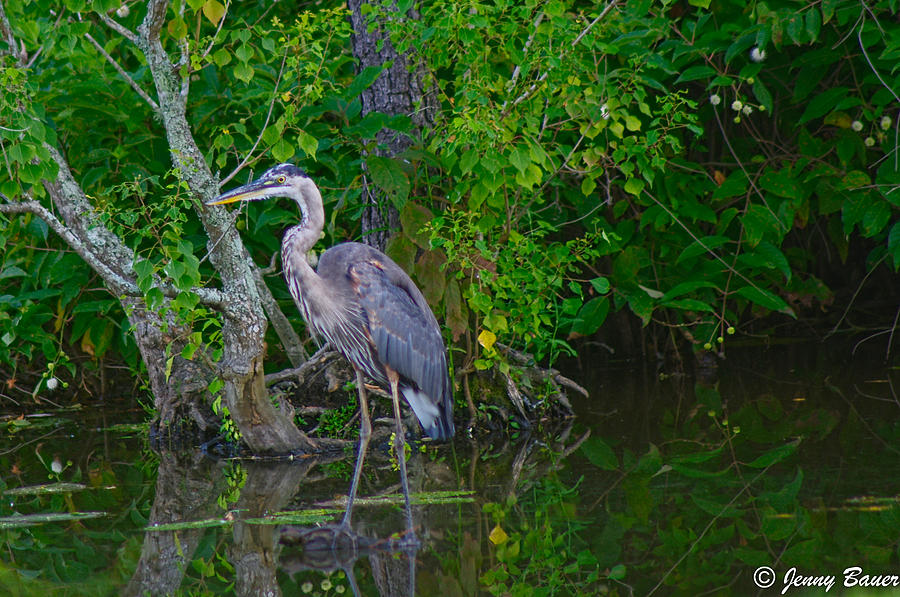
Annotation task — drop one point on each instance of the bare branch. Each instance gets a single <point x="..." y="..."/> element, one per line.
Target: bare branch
<point x="154" y="19"/>
<point x="6" y="30"/>
<point x="293" y="347"/>
<point x="124" y="32"/>
<point x="212" y="42"/>
<point x="124" y="74"/>
<point x="117" y="282"/>
<point x="534" y="86"/>
<point x="184" y="63"/>
<point x="518" y="69"/>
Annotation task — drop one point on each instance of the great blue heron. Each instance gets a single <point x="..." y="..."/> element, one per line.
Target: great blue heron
<point x="367" y="308"/>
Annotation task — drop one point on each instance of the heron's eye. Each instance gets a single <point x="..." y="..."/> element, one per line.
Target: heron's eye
<point x="281" y="179"/>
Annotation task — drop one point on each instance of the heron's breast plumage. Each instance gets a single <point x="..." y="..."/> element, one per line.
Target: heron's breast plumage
<point x="370" y="311"/>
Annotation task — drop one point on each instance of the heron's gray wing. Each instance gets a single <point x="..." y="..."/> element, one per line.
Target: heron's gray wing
<point x="406" y="338"/>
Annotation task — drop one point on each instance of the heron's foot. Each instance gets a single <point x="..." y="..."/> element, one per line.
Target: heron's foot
<point x="344" y="537"/>
<point x="406" y="541"/>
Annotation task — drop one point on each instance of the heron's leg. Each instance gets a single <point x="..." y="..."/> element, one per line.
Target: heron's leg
<point x="365" y="432"/>
<point x="400" y="447"/>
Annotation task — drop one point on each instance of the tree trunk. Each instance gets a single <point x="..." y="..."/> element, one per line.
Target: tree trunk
<point x="175" y="391"/>
<point x="399" y="89"/>
<point x="179" y="385"/>
<point x="263" y="427"/>
<point x="187" y="486"/>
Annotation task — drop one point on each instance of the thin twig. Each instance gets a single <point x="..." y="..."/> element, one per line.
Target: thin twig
<point x="565" y="381"/>
<point x="123" y="31"/>
<point x="678" y="221"/>
<point x="212" y="42"/>
<point x="855" y="294"/>
<point x="184" y="62"/>
<point x="534" y="86"/>
<point x="119" y="284"/>
<point x="265" y="125"/>
<point x="865" y="54"/>
<point x="750" y="180"/>
<point x="887" y="351"/>
<point x="709" y="525"/>
<point x="124" y="74"/>
<point x="518" y="69"/>
<point x="6" y="30"/>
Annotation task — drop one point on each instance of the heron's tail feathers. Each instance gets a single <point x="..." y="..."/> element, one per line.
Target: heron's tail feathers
<point x="436" y="419"/>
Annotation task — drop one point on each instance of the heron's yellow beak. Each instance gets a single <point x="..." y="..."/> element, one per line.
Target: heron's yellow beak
<point x="248" y="192"/>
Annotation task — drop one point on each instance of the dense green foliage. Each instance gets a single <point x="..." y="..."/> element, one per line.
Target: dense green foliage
<point x="699" y="164"/>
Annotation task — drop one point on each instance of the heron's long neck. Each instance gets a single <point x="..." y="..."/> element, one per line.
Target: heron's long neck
<point x="297" y="242"/>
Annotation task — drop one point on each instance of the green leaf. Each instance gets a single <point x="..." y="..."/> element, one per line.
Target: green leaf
<point x="704" y="245"/>
<point x="520" y="158"/>
<point x="652" y="293"/>
<point x="822" y="103"/>
<point x="631" y="123"/>
<point x="774" y="258"/>
<point x="413" y="219"/>
<point x="760" y="223"/>
<point x="695" y="473"/>
<point x="588" y="184"/>
<point x="766" y="299"/>
<point x="468" y="161"/>
<point x="696" y="72"/>
<point x="389" y="176"/>
<point x="634" y="186"/>
<point x="177" y="28"/>
<point x="813" y="23"/>
<point x="591" y="316"/>
<point x="641" y="305"/>
<point x="697" y="457"/>
<point x="244" y="72"/>
<point x="795" y="28"/>
<point x="12" y="271"/>
<point x="430" y="275"/>
<point x="763" y="96"/>
<point x="741" y="45"/>
<point x="686" y="287"/>
<point x="307" y="143"/>
<point x="782" y="183"/>
<point x="214" y="11"/>
<point x="456" y="314"/>
<point x="600" y="285"/>
<point x="530" y="177"/>
<point x="282" y="151"/>
<point x="876" y="218"/>
<point x="600" y="454"/>
<point x="363" y="81"/>
<point x="775" y="455"/>
<point x="734" y="186"/>
<point x="144" y="270"/>
<point x="402" y="250"/>
<point x="689" y="304"/>
<point x="893" y="242"/>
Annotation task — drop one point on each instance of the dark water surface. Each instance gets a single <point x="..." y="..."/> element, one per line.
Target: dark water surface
<point x="782" y="471"/>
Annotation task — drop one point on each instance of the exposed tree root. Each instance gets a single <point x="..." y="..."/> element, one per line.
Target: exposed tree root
<point x="527" y="394"/>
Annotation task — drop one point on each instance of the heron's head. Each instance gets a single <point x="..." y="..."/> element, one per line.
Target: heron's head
<point x="283" y="180"/>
